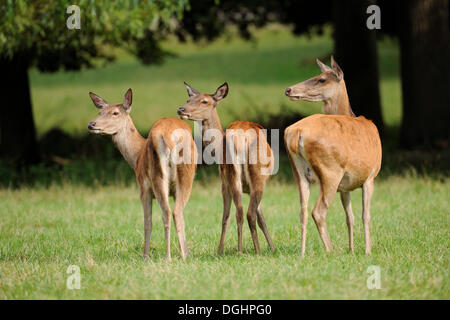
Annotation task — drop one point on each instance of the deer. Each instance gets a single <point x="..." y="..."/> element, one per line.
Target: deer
<point x="159" y="173"/>
<point x="249" y="177"/>
<point x="338" y="150"/>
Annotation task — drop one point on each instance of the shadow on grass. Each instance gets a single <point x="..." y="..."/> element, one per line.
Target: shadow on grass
<point x="231" y="254"/>
<point x="93" y="160"/>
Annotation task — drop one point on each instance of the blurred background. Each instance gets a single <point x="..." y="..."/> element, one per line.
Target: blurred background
<point x="398" y="75"/>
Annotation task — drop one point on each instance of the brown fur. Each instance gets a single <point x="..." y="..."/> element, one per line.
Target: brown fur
<point x="341" y="152"/>
<point x="239" y="178"/>
<point x="329" y="87"/>
<point x="235" y="181"/>
<point x="156" y="175"/>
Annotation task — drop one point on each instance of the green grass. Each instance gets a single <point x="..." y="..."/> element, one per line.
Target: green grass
<point x="100" y="229"/>
<point x="257" y="72"/>
<point x="88" y="213"/>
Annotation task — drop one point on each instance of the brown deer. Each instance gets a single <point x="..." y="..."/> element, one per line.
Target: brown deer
<point x="249" y="177"/>
<point x="159" y="173"/>
<point x="341" y="151"/>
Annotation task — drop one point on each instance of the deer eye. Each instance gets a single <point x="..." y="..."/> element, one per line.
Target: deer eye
<point x="204" y="102"/>
<point x="115" y="113"/>
<point x="322" y="80"/>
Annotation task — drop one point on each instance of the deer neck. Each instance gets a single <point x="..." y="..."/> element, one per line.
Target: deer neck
<point x="129" y="142"/>
<point x="213" y="122"/>
<point x="339" y="103"/>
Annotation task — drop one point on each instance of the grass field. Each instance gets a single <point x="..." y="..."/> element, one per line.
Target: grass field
<point x="43" y="231"/>
<point x="77" y="220"/>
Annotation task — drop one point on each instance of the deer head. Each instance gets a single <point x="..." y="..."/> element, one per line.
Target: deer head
<point x="112" y="117"/>
<point x="319" y="88"/>
<point x="200" y="106"/>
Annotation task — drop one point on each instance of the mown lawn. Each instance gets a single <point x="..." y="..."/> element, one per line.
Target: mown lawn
<point x="78" y="220"/>
<point x="100" y="229"/>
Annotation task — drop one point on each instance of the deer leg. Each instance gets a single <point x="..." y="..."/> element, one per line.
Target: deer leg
<point x="319" y="213"/>
<point x="298" y="168"/>
<point x="303" y="188"/>
<point x="166" y="220"/>
<point x="347" y="204"/>
<point x="147" y="199"/>
<point x="183" y="190"/>
<point x="252" y="213"/>
<point x="162" y="196"/>
<point x="257" y="183"/>
<point x="262" y="225"/>
<point x="367" y="192"/>
<point x="225" y="217"/>
<point x="178" y="220"/>
<point x="237" y="195"/>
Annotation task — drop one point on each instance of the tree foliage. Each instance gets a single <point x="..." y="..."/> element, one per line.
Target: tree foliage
<point x="37" y="29"/>
<point x="35" y="33"/>
<point x="208" y="18"/>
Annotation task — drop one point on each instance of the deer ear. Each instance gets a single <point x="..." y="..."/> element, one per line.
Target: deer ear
<point x="221" y="92"/>
<point x="336" y="69"/>
<point x="127" y="100"/>
<point x="98" y="101"/>
<point x="191" y="91"/>
<point x="323" y="67"/>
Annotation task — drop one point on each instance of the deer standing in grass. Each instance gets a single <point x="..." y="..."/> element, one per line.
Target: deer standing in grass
<point x="159" y="173"/>
<point x="249" y="177"/>
<point x="340" y="151"/>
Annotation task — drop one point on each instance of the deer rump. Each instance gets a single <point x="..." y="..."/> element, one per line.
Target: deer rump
<point x="248" y="156"/>
<point x="171" y="153"/>
<point x="347" y="146"/>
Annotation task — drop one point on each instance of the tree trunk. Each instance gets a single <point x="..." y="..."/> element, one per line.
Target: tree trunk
<point x="425" y="72"/>
<point x="17" y="131"/>
<point x="355" y="50"/>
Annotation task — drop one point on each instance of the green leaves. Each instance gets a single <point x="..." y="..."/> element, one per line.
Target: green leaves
<point x="39" y="27"/>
